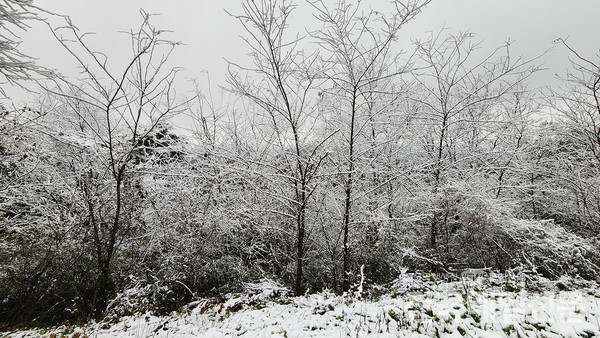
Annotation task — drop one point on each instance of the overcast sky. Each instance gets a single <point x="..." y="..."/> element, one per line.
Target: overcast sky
<point x="210" y="34"/>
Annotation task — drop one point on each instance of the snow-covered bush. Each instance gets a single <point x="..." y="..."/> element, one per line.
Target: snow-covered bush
<point x="160" y="298"/>
<point x="476" y="231"/>
<point x="548" y="248"/>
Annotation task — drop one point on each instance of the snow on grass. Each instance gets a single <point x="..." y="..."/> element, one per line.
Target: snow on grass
<point x="445" y="310"/>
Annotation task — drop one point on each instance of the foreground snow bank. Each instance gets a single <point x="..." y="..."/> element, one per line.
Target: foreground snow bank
<point x="445" y="310"/>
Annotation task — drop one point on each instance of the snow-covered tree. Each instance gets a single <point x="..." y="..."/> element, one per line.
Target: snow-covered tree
<point x="16" y="67"/>
<point x="115" y="114"/>
<point x="462" y="116"/>
<point x="281" y="82"/>
<point x="361" y="89"/>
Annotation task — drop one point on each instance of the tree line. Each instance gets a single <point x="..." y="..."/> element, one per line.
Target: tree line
<point x="347" y="151"/>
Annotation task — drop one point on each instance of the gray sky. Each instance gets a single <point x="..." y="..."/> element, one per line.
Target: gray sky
<point x="210" y="34"/>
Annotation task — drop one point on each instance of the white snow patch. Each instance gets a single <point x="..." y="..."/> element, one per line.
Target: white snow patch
<point x="446" y="310"/>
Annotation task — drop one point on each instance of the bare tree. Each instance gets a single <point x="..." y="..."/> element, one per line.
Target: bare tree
<point x="115" y="110"/>
<point x="575" y="144"/>
<point x="460" y="98"/>
<point x="281" y="84"/>
<point x="16" y="67"/>
<point x="361" y="67"/>
<point x="579" y="101"/>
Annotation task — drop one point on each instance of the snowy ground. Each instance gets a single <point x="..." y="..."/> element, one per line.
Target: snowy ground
<point x="472" y="309"/>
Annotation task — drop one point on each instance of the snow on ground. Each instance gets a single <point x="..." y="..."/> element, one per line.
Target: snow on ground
<point x="445" y="310"/>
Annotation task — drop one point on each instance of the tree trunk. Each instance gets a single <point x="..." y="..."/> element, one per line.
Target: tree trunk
<point x="348" y="197"/>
